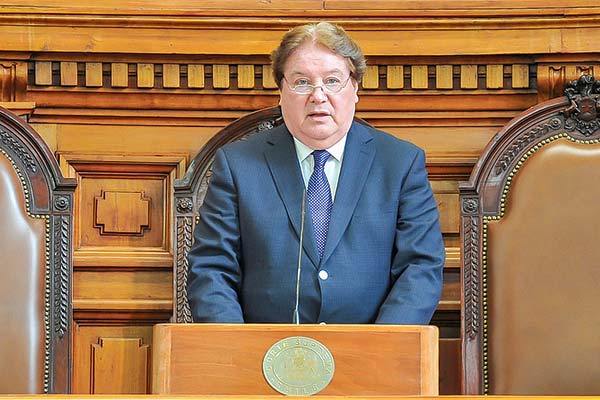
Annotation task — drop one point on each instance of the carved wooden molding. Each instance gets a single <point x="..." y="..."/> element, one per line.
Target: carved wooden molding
<point x="62" y="273"/>
<point x="123" y="213"/>
<point x="184" y="237"/>
<point x="207" y="77"/>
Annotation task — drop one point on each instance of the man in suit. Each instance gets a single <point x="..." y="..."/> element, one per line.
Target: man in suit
<point x="372" y="250"/>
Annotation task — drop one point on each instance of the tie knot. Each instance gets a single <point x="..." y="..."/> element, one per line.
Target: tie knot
<point x="320" y="157"/>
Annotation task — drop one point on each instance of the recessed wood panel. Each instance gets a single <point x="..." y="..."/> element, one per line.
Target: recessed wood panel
<point x="111" y="375"/>
<point x="119" y="212"/>
<point x="120" y="285"/>
<point x="123" y="209"/>
<point x="120" y="365"/>
<point x="138" y="221"/>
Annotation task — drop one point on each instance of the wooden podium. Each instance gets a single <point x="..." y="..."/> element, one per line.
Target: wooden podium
<point x="227" y="359"/>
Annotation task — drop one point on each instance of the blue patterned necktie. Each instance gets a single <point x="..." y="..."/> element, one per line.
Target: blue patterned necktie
<point x="318" y="197"/>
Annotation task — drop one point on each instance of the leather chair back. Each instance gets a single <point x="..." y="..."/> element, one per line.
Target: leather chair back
<point x="35" y="264"/>
<point x="531" y="259"/>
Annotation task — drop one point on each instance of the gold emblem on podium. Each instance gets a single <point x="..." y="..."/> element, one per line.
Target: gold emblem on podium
<point x="298" y="366"/>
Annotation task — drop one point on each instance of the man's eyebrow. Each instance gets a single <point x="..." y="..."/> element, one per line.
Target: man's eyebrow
<point x="330" y="72"/>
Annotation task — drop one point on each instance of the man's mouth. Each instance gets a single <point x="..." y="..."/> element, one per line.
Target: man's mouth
<point x="318" y="114"/>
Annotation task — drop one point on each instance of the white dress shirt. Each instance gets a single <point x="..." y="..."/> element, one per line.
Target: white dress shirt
<point x="333" y="166"/>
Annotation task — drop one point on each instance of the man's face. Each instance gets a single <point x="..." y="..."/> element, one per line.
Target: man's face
<point x="318" y="119"/>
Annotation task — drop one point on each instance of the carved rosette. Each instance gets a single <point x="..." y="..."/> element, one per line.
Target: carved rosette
<point x="470" y="205"/>
<point x="185" y="205"/>
<point x="184" y="244"/>
<point x="61" y="203"/>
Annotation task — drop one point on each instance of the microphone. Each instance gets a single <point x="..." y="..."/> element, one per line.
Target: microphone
<point x="296" y="317"/>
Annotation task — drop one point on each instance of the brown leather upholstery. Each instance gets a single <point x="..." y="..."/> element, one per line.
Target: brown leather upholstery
<point x="21" y="287"/>
<point x="35" y="264"/>
<point x="531" y="279"/>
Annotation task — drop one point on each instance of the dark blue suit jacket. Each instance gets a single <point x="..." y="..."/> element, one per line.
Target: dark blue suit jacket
<point x="384" y="253"/>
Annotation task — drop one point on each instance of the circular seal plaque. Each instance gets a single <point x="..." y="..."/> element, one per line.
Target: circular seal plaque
<point x="298" y="366"/>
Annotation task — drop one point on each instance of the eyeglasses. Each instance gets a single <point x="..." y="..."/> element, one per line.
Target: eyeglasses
<point x="331" y="85"/>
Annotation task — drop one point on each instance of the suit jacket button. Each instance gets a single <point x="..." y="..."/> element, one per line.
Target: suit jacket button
<point x="323" y="274"/>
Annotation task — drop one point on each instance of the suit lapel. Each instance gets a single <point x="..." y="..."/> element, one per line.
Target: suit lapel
<point x="283" y="164"/>
<point x="359" y="153"/>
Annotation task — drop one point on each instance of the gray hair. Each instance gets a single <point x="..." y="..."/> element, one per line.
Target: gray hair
<point x="332" y="36"/>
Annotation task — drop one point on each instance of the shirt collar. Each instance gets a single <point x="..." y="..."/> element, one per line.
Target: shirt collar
<point x="336" y="151"/>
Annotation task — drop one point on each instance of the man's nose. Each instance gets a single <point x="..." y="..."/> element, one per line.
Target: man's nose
<point x="318" y="94"/>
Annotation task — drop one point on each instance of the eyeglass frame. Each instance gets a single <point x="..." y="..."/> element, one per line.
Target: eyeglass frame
<point x="314" y="87"/>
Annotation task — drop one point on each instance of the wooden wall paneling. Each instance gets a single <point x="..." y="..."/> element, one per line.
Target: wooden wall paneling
<point x="444" y="76"/>
<point x="127" y="361"/>
<point x="395" y="76"/>
<point x="552" y="78"/>
<point x="145" y="75"/>
<point x="171" y="75"/>
<point x="112" y="359"/>
<point x="450" y="365"/>
<point x="124" y="115"/>
<point x="268" y="82"/>
<point x="494" y="76"/>
<point x="245" y="76"/>
<point x="371" y="77"/>
<point x="68" y="73"/>
<point x="93" y="74"/>
<point x="520" y="76"/>
<point x="13" y="80"/>
<point x="468" y="77"/>
<point x="119" y="75"/>
<point x="43" y="73"/>
<point x="419" y="77"/>
<point x="220" y="76"/>
<point x="102" y="293"/>
<point x="195" y="76"/>
<point x="123" y="208"/>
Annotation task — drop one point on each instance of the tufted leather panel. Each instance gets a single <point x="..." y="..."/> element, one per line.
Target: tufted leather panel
<point x="22" y="283"/>
<point x="544" y="276"/>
